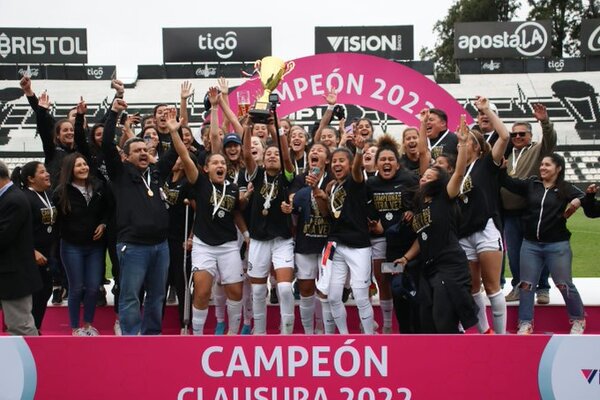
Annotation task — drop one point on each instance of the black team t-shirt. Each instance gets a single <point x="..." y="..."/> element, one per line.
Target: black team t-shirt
<point x="175" y="194"/>
<point x="392" y="197"/>
<point x="479" y="198"/>
<point x="275" y="223"/>
<point x="435" y="226"/>
<point x="44" y="220"/>
<point x="445" y="143"/>
<point x="409" y="165"/>
<point x="313" y="228"/>
<point x="350" y="226"/>
<point x="215" y="225"/>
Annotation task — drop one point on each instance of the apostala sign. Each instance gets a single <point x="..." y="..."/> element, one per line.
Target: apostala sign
<point x="502" y="39"/>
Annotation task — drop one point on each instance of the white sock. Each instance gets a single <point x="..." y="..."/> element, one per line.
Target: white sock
<point x="365" y="309"/>
<point x="198" y="320"/>
<point x="338" y="310"/>
<point x="386" y="311"/>
<point x="318" y="316"/>
<point x="307" y="314"/>
<point x="219" y="302"/>
<point x="482" y="323"/>
<point x="498" y="305"/>
<point x="327" y="317"/>
<point x="259" y="308"/>
<point x="247" y="301"/>
<point x="286" y="307"/>
<point x="234" y="313"/>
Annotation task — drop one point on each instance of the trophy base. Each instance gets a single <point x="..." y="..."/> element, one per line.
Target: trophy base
<point x="260" y="116"/>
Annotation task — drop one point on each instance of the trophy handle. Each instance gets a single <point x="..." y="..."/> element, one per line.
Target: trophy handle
<point x="289" y="67"/>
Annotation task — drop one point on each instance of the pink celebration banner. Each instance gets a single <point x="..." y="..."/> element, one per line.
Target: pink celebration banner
<point x="363" y="80"/>
<point x="353" y="367"/>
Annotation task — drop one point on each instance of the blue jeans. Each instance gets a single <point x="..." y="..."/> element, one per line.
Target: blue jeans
<point x="557" y="256"/>
<point x="147" y="266"/>
<point x="84" y="266"/>
<point x="513" y="239"/>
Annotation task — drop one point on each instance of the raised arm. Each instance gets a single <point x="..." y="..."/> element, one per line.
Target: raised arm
<point x="331" y="99"/>
<point x="229" y="116"/>
<point x="288" y="167"/>
<point x="44" y="125"/>
<point x="483" y="105"/>
<point x="548" y="132"/>
<point x="215" y="140"/>
<point x="424" y="152"/>
<point x="108" y="147"/>
<point x="247" y="153"/>
<point x="185" y="93"/>
<point x="453" y="187"/>
<point x="190" y="168"/>
<point x="357" y="164"/>
<point x="81" y="142"/>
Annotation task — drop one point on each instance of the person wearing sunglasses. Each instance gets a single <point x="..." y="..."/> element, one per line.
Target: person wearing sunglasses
<point x="523" y="162"/>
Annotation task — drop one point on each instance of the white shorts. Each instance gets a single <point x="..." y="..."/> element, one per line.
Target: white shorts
<point x="356" y="261"/>
<point x="378" y="248"/>
<point x="307" y="265"/>
<point x="278" y="251"/>
<point x="222" y="262"/>
<point x="488" y="239"/>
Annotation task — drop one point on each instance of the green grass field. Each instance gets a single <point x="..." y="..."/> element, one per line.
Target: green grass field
<point x="585" y="243"/>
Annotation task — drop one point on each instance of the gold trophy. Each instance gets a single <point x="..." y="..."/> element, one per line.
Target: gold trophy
<point x="271" y="71"/>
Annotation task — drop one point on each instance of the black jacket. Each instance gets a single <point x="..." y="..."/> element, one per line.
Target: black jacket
<point x="78" y="225"/>
<point x="19" y="275"/>
<point x="141" y="218"/>
<point x="543" y="219"/>
<point x="55" y="153"/>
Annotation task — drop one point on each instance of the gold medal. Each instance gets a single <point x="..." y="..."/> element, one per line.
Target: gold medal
<point x="265" y="212"/>
<point x="336" y="214"/>
<point x="150" y="192"/>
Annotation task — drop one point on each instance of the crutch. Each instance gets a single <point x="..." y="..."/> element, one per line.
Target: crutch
<point x="186" y="280"/>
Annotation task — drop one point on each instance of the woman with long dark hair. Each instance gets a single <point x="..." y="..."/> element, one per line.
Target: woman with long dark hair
<point x="34" y="179"/>
<point x="309" y="201"/>
<point x="391" y="190"/>
<point x="82" y="214"/>
<point x="348" y="244"/>
<point x="215" y="253"/>
<point x="480" y="219"/>
<point x="444" y="295"/>
<point x="550" y="201"/>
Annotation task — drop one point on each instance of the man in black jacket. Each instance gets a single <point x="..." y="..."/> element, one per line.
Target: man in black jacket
<point x="142" y="226"/>
<point x="19" y="277"/>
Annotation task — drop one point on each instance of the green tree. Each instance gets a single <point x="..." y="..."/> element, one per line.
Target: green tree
<point x="463" y="11"/>
<point x="566" y="18"/>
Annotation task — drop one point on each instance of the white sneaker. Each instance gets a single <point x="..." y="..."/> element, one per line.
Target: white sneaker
<point x="525" y="328"/>
<point x="117" y="328"/>
<point x="91" y="331"/>
<point x="577" y="327"/>
<point x="80" y="332"/>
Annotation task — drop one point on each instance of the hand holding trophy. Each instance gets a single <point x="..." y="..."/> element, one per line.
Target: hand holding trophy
<point x="271" y="71"/>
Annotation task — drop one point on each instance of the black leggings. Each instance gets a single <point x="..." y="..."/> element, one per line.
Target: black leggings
<point x="438" y="315"/>
<point x="176" y="277"/>
<point x="40" y="298"/>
